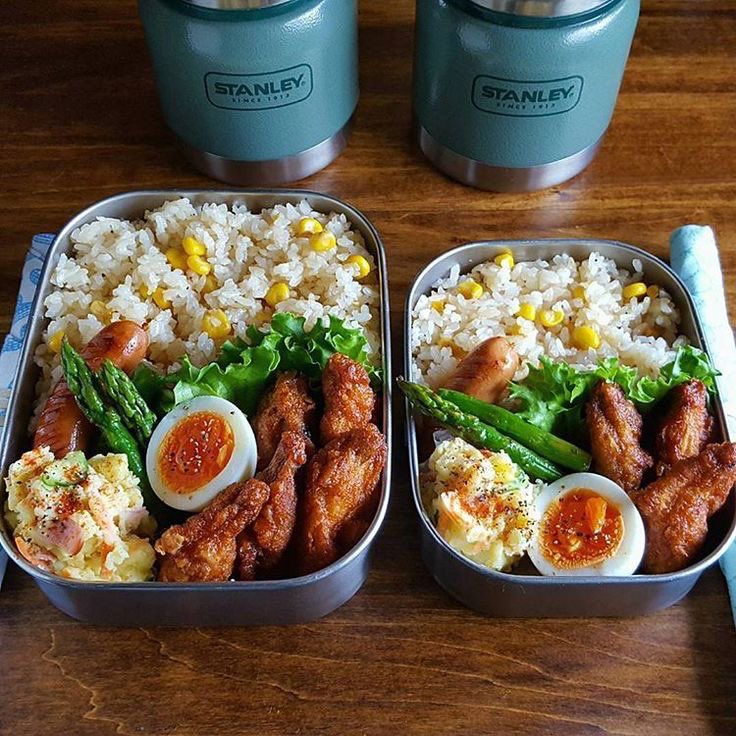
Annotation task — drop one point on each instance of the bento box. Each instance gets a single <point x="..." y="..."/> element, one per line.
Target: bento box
<point x="259" y="602"/>
<point x="510" y="594"/>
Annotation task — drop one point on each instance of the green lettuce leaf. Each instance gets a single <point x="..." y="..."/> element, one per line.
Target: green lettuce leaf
<point x="150" y="383"/>
<point x="308" y="352"/>
<point x="554" y="394"/>
<point x="240" y="382"/>
<point x="244" y="367"/>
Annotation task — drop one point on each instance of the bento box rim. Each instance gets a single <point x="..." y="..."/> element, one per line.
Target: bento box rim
<point x="89" y="213"/>
<point x="505" y="577"/>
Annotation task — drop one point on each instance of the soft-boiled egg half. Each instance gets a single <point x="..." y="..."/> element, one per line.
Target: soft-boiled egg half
<point x="588" y="525"/>
<point x="198" y="449"/>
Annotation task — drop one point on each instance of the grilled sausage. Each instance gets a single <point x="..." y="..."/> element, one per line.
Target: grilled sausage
<point x="62" y="426"/>
<point x="486" y="371"/>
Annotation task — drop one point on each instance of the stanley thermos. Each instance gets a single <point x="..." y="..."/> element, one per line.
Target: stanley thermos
<point x="256" y="91"/>
<point x="516" y="95"/>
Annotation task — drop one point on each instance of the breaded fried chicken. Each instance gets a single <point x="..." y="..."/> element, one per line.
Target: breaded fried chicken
<point x="287" y="407"/>
<point x="349" y="398"/>
<point x="261" y="546"/>
<point x="686" y="427"/>
<point x="676" y="507"/>
<point x="615" y="431"/>
<point x="341" y="484"/>
<point x="203" y="548"/>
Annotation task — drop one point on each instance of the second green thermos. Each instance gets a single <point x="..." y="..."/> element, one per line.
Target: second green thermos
<point x="516" y="95"/>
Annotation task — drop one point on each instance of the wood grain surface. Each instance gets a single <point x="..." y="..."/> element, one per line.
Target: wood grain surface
<point x="80" y="121"/>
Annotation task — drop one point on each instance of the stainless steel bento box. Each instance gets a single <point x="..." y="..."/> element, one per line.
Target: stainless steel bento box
<point x="508" y="594"/>
<point x="291" y="601"/>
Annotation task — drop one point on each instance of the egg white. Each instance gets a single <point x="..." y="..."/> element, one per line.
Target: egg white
<point x="627" y="557"/>
<point x="241" y="466"/>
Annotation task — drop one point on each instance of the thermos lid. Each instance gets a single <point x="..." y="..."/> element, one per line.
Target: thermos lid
<point x="542" y="8"/>
<point x="530" y="8"/>
<point x="235" y="4"/>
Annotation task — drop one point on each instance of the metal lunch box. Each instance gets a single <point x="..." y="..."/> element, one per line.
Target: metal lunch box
<point x="509" y="594"/>
<point x="290" y="601"/>
<point x="516" y="95"/>
<point x="257" y="92"/>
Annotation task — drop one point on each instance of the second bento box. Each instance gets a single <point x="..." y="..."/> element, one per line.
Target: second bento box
<point x="610" y="361"/>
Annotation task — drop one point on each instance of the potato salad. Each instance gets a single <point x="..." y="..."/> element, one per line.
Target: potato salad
<point x="481" y="502"/>
<point x="81" y="519"/>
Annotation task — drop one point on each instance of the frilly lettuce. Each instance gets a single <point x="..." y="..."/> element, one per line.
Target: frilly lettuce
<point x="244" y="367"/>
<point x="553" y="395"/>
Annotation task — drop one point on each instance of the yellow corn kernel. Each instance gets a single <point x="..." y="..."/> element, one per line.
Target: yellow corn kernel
<point x="578" y="292"/>
<point x="364" y="268"/>
<point x="192" y="246"/>
<point x="551" y="317"/>
<point x="470" y="289"/>
<point x="323" y="241"/>
<point x="177" y="258"/>
<point x="505" y="260"/>
<point x="438" y="305"/>
<point x="308" y="226"/>
<point x="161" y="301"/>
<point x="210" y="284"/>
<point x="277" y="293"/>
<point x="653" y="291"/>
<point x="99" y="310"/>
<point x="527" y="311"/>
<point x="144" y="291"/>
<point x="634" y="290"/>
<point x="199" y="265"/>
<point x="216" y="324"/>
<point x="54" y="342"/>
<point x="584" y="337"/>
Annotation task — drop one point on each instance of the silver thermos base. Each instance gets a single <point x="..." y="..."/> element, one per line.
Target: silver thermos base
<point x="273" y="171"/>
<point x="501" y="178"/>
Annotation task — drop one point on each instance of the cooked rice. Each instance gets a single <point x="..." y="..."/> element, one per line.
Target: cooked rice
<point x="121" y="263"/>
<point x="642" y="333"/>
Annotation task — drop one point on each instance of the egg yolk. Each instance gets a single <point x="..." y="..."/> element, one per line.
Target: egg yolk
<point x="195" y="451"/>
<point x="580" y="529"/>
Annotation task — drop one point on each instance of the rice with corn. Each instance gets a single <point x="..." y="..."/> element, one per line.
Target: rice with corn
<point x="574" y="311"/>
<point x="196" y="275"/>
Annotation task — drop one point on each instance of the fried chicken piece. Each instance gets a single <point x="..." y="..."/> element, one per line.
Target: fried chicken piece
<point x="615" y="431"/>
<point x="341" y="485"/>
<point x="261" y="546"/>
<point x="203" y="548"/>
<point x="686" y="427"/>
<point x="676" y="507"/>
<point x="349" y="398"/>
<point x="351" y="532"/>
<point x="287" y="407"/>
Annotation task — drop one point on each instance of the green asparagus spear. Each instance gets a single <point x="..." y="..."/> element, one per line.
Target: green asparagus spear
<point x="123" y="395"/>
<point x="543" y="443"/>
<point x="472" y="430"/>
<point x="81" y="382"/>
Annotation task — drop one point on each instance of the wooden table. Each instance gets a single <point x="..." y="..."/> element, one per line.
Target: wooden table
<point x="80" y="121"/>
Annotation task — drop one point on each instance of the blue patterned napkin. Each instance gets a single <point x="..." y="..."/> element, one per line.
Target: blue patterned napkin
<point x="694" y="256"/>
<point x="10" y="353"/>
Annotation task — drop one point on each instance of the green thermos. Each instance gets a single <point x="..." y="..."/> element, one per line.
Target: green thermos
<point x="256" y="91"/>
<point x="516" y="95"/>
